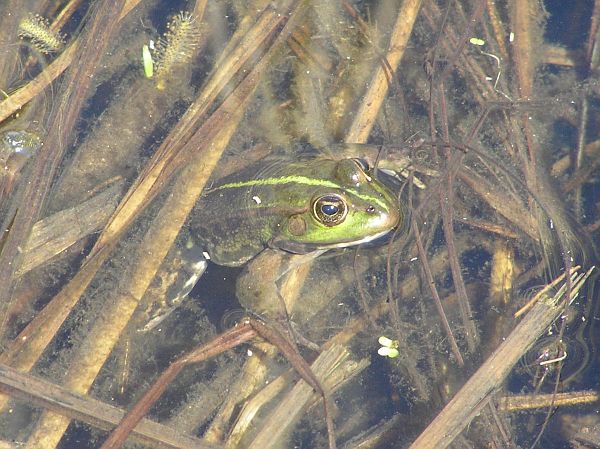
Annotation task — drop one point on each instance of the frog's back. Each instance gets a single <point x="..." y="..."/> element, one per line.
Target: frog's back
<point x="235" y="218"/>
<point x="297" y="206"/>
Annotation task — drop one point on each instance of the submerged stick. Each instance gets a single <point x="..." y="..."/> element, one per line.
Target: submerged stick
<point x="328" y="366"/>
<point x="92" y="411"/>
<point x="247" y="330"/>
<point x="378" y="87"/>
<point x="223" y="342"/>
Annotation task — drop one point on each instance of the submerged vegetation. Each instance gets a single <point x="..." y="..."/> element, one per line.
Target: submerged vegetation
<point x="473" y="324"/>
<point x="175" y="50"/>
<point x="36" y="29"/>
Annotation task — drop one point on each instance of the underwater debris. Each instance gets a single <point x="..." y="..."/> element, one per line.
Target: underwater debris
<point x="36" y="29"/>
<point x="16" y="148"/>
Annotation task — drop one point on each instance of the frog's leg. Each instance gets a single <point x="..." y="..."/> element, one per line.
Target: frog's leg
<point x="258" y="287"/>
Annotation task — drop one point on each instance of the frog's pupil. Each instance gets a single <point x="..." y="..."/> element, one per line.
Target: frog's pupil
<point x="329" y="209"/>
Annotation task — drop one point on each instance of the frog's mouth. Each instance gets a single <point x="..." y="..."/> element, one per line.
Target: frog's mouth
<point x="305" y="248"/>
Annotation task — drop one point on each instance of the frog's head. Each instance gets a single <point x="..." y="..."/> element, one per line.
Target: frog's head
<point x="347" y="207"/>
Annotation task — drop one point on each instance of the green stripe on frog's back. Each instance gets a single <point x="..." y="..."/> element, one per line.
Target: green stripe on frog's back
<point x="237" y="219"/>
<point x="300" y="180"/>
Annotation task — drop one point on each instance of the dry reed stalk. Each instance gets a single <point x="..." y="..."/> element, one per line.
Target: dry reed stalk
<point x="96" y="413"/>
<point x="498" y="28"/>
<point x="286" y="413"/>
<point x="373" y="99"/>
<point x="252" y="377"/>
<point x="522" y="13"/>
<point x="476" y="392"/>
<point x="343" y="371"/>
<point x="520" y="402"/>
<point x="56" y="233"/>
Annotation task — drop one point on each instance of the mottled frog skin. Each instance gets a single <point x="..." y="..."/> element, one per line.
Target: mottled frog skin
<point x="274" y="216"/>
<point x="295" y="206"/>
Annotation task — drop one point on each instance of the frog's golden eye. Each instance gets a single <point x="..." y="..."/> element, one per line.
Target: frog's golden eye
<point x="330" y="210"/>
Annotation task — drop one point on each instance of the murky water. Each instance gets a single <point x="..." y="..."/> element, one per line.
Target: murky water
<point x="481" y="117"/>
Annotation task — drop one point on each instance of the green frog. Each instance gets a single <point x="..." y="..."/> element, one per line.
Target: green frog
<point x="278" y="214"/>
<point x="274" y="216"/>
<point x="298" y="207"/>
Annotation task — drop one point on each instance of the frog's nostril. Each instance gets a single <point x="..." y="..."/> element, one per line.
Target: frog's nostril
<point x="370" y="209"/>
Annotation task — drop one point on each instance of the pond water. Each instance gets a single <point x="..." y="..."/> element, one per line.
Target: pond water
<point x="344" y="171"/>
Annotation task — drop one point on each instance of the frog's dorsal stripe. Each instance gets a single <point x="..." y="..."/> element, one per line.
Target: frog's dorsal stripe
<point x="304" y="180"/>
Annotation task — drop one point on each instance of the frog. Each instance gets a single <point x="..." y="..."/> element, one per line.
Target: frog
<point x="282" y="212"/>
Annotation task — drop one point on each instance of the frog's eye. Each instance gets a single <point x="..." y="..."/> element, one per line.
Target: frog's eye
<point x="330" y="210"/>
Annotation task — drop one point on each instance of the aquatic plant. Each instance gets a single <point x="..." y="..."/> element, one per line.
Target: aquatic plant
<point x="176" y="47"/>
<point x="36" y="29"/>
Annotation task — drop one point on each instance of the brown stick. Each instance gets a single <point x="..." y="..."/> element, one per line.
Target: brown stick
<point x="300" y="365"/>
<point x="223" y="342"/>
<point x="103" y="416"/>
<point x="537" y="401"/>
<point x="378" y="87"/>
<point x="249" y="328"/>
